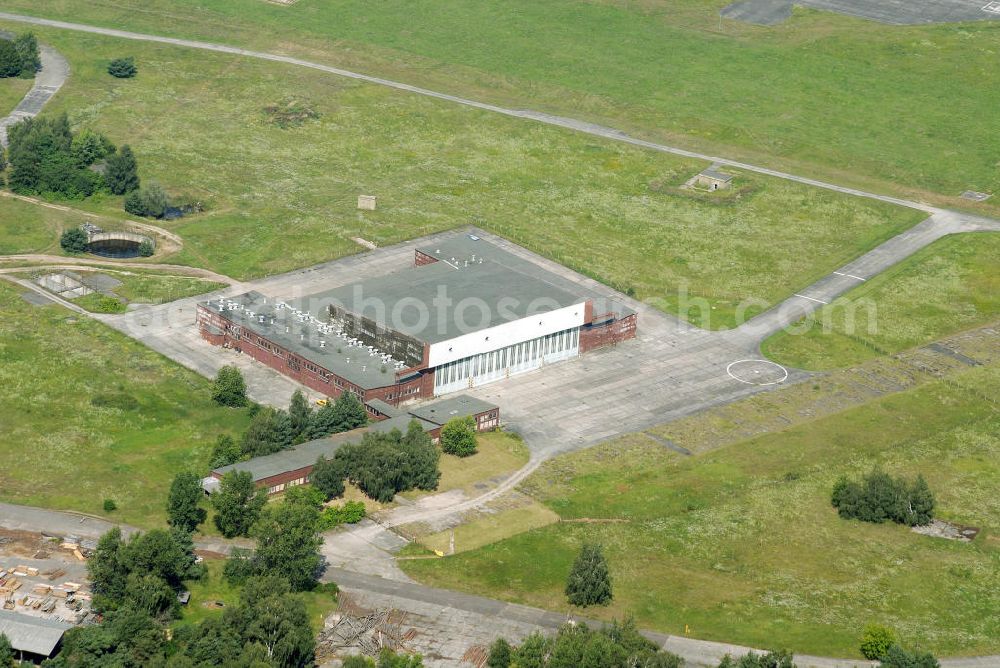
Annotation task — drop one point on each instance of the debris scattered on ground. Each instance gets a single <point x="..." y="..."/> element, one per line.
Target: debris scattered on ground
<point x="942" y="529"/>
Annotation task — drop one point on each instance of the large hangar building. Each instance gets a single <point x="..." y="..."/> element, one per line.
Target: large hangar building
<point x="466" y="313"/>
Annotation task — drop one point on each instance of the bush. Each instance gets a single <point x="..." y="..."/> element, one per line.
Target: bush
<point x="19" y="56"/>
<point x="110" y="506"/>
<point x="106" y="304"/>
<point x="880" y="497"/>
<point x="123" y="68"/>
<point x="150" y="201"/>
<point x="351" y="512"/>
<point x="73" y="240"/>
<point x="229" y="388"/>
<point x="146" y="249"/>
<point x="589" y="581"/>
<point x="458" y="437"/>
<point x="876" y="641"/>
<point x="897" y="657"/>
<point x="773" y="659"/>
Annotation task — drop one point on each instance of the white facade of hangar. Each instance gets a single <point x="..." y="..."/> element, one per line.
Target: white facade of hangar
<point x="510" y="360"/>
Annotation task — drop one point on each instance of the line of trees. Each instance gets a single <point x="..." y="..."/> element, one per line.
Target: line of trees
<point x="271" y="430"/>
<point x="382" y="465"/>
<point x="880" y="497"/>
<point x="19" y="57"/>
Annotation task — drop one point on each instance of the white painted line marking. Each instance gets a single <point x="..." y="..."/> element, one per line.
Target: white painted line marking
<point x="732" y="375"/>
<point x="811" y="299"/>
<point x="857" y="278"/>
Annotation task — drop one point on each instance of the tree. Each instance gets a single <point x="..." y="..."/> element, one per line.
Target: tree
<point x="920" y="503"/>
<point x="73" y="240"/>
<point x="327" y="476"/>
<point x="146" y="249"/>
<point x="108" y="573"/>
<point x="237" y="503"/>
<point x="589" y="581"/>
<point x="344" y="414"/>
<point x="123" y="68"/>
<point x="876" y="641"/>
<point x="897" y="657"/>
<point x="225" y="452"/>
<point x="458" y="437"/>
<point x="390" y="659"/>
<point x="229" y="388"/>
<point x="122" y="173"/>
<point x="271" y="618"/>
<point x="423" y="458"/>
<point x="300" y="414"/>
<point x="183" y="502"/>
<point x="88" y="147"/>
<point x="287" y="544"/>
<point x="6" y="652"/>
<point x="26" y="47"/>
<point x="500" y="655"/>
<point x="10" y="60"/>
<point x="531" y="653"/>
<point x="269" y="431"/>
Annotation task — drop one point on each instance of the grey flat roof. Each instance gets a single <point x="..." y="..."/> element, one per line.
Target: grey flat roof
<point x="713" y="173"/>
<point x="36" y="635"/>
<point x="440" y="412"/>
<point x="484" y="290"/>
<point x="384" y="408"/>
<point x="304" y="338"/>
<point x="430" y="415"/>
<point x="402" y="423"/>
<point x="295" y="457"/>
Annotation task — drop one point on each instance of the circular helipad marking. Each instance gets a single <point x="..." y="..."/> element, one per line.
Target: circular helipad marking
<point x="757" y="372"/>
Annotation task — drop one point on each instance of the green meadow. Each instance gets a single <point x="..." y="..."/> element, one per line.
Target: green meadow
<point x="853" y="101"/>
<point x="213" y="128"/>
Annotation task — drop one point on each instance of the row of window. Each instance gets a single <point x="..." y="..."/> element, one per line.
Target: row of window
<point x="487" y="367"/>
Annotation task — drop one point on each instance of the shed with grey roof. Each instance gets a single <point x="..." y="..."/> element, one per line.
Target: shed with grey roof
<point x="32" y="637"/>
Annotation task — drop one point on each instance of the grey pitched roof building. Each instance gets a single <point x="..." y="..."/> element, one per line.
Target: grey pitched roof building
<point x="36" y="636"/>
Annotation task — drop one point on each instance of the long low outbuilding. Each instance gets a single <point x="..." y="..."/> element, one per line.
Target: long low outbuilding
<point x="291" y="467"/>
<point x="33" y="638"/>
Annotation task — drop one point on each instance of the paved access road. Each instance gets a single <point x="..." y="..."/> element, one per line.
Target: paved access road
<point x="53" y="75"/>
<point x="894" y="12"/>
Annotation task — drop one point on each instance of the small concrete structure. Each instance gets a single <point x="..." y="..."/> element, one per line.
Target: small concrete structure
<point x="713" y="179"/>
<point x="366" y="202"/>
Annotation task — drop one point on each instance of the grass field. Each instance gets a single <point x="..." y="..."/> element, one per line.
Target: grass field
<point x="28" y="228"/>
<point x="89" y="414"/>
<point x="949" y="286"/>
<point x="854" y="101"/>
<point x="741" y="544"/>
<point x="215" y="588"/>
<point x="284" y="198"/>
<point x="11" y="92"/>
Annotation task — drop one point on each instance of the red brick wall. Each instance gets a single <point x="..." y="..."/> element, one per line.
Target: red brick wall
<point x="607" y="335"/>
<point x="420" y="259"/>
<point x="303" y="371"/>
